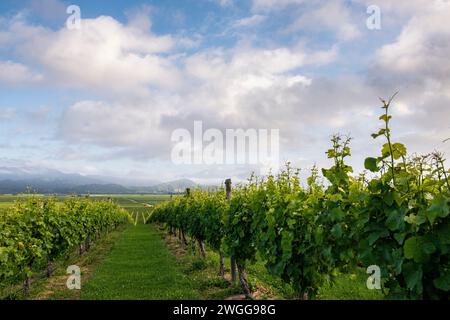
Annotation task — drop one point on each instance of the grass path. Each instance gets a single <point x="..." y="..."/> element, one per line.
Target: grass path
<point x="139" y="267"/>
<point x="137" y="263"/>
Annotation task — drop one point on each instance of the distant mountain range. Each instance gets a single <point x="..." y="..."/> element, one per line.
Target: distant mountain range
<point x="46" y="181"/>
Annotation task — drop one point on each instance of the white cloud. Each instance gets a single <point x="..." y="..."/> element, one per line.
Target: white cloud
<point x="139" y="17"/>
<point x="7" y="113"/>
<point x="124" y="125"/>
<point x="16" y="73"/>
<point x="416" y="64"/>
<point x="223" y="88"/>
<point x="225" y="3"/>
<point x="104" y="54"/>
<point x="223" y="78"/>
<point x="401" y="8"/>
<point x="250" y="21"/>
<point x="40" y="114"/>
<point x="423" y="46"/>
<point x="333" y="16"/>
<point x="265" y="5"/>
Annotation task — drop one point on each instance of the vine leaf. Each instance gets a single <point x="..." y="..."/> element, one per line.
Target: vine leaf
<point x="371" y="164"/>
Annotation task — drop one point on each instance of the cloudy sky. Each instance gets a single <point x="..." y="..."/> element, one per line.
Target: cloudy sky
<point x="105" y="99"/>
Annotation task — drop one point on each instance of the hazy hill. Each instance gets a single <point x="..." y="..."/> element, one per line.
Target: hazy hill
<point x="18" y="180"/>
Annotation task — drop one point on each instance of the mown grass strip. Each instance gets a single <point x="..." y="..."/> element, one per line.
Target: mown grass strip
<point x="139" y="267"/>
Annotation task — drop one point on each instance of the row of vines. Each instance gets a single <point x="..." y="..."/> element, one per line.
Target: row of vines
<point x="395" y="215"/>
<point x="36" y="231"/>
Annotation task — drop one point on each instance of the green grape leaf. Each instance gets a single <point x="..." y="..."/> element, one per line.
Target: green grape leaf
<point x="412" y="248"/>
<point x="398" y="150"/>
<point x="395" y="220"/>
<point x="388" y="198"/>
<point x="371" y="164"/>
<point x="439" y="208"/>
<point x="443" y="282"/>
<point x="336" y="231"/>
<point x="385" y="151"/>
<point x="374" y="236"/>
<point x="413" y="274"/>
<point x="385" y="118"/>
<point x="399" y="237"/>
<point x="428" y="248"/>
<point x="418" y="248"/>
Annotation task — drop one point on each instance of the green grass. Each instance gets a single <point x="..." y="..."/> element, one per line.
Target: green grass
<point x="139" y="267"/>
<point x="7" y="201"/>
<point x="265" y="285"/>
<point x="350" y="286"/>
<point x="134" y="200"/>
<point x="124" y="200"/>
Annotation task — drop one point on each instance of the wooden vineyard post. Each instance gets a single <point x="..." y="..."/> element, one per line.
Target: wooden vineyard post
<point x="222" y="265"/>
<point x="232" y="259"/>
<point x="49" y="268"/>
<point x="228" y="189"/>
<point x="201" y="245"/>
<point x="26" y="285"/>
<point x="183" y="236"/>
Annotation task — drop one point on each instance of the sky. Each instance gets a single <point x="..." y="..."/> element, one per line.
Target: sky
<point x="106" y="98"/>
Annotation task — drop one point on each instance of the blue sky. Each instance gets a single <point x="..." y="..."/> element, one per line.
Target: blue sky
<point x="105" y="99"/>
